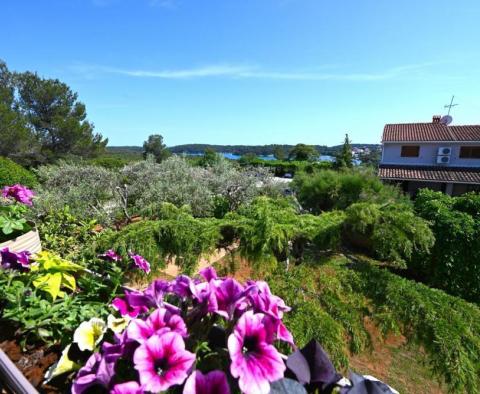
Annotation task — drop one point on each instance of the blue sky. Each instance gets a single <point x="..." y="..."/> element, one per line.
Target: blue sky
<point x="252" y="71"/>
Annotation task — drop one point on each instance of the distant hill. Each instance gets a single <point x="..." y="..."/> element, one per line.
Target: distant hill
<point x="236" y="149"/>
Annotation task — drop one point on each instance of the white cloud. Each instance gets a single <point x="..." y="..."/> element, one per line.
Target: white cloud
<point x="248" y="72"/>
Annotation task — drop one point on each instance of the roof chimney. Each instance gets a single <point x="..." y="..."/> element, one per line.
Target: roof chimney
<point x="436" y="119"/>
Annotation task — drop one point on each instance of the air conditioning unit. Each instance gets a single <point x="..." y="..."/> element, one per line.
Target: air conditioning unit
<point x="443" y="159"/>
<point x="444" y="151"/>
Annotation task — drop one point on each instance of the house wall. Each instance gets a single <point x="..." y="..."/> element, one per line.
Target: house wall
<point x="427" y="155"/>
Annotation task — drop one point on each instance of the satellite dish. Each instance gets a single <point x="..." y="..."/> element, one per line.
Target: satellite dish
<point x="446" y="120"/>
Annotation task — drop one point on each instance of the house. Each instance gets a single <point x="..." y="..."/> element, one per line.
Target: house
<point x="434" y="155"/>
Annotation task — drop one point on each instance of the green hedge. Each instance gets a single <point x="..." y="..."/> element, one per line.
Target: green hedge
<point x="12" y="173"/>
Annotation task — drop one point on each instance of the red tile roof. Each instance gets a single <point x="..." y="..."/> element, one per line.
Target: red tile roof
<point x="424" y="173"/>
<point x="424" y="132"/>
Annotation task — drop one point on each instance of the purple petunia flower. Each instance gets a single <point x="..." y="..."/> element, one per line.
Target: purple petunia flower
<point x="156" y="292"/>
<point x="110" y="255"/>
<point x="182" y="286"/>
<point x="97" y="372"/>
<point x="16" y="261"/>
<point x="229" y="294"/>
<point x="140" y="262"/>
<point x="127" y="388"/>
<point x="214" y="382"/>
<point x="255" y="361"/>
<point x="127" y="307"/>
<point x="208" y="273"/>
<point x="263" y="301"/>
<point x="161" y="320"/>
<point x="18" y="192"/>
<point x="162" y="362"/>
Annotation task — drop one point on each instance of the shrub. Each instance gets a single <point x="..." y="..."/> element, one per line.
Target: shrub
<point x="89" y="191"/>
<point x="390" y="232"/>
<point x="453" y="264"/>
<point x="327" y="190"/>
<point x="12" y="173"/>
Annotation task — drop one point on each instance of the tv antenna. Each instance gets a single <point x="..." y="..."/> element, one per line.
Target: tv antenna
<point x="450" y="106"/>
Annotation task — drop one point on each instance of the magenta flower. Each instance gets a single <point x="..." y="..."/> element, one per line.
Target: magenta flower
<point x="110" y="255"/>
<point x="126" y="307"/>
<point x="229" y="294"/>
<point x="182" y="286"/>
<point x="127" y="388"/>
<point x="162" y="362"/>
<point x="160" y="321"/>
<point x="140" y="262"/>
<point x="208" y="273"/>
<point x="263" y="301"/>
<point x="214" y="382"/>
<point x="255" y="361"/>
<point x="16" y="261"/>
<point x="18" y="192"/>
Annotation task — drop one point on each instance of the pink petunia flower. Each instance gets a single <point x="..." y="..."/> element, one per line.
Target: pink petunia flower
<point x="161" y="320"/>
<point x="125" y="307"/>
<point x="162" y="362"/>
<point x="18" y="192"/>
<point x="214" y="382"/>
<point x="131" y="387"/>
<point x="208" y="273"/>
<point x="110" y="255"/>
<point x="229" y="294"/>
<point x="255" y="361"/>
<point x="140" y="262"/>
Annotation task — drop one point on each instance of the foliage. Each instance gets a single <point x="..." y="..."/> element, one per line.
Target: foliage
<point x="89" y="191"/>
<point x="209" y="158"/>
<point x="65" y="233"/>
<point x="177" y="235"/>
<point x="111" y="162"/>
<point x="326" y="190"/>
<point x="447" y="327"/>
<point x="154" y="146"/>
<point x="13" y="221"/>
<point x="51" y="273"/>
<point x="12" y="173"/>
<point x="302" y="152"/>
<point x="453" y="263"/>
<point x="282" y="167"/>
<point x="390" y="232"/>
<point x="344" y="157"/>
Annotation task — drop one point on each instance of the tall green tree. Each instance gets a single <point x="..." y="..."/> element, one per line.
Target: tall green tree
<point x="15" y="137"/>
<point x="303" y="152"/>
<point x="345" y="157"/>
<point x="154" y="146"/>
<point x="56" y="117"/>
<point x="279" y="153"/>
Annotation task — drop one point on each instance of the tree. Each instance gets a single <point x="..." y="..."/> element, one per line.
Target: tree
<point x="15" y="136"/>
<point x="279" y="153"/>
<point x="345" y="157"/>
<point x="155" y="146"/>
<point x="303" y="152"/>
<point x="56" y="118"/>
<point x="210" y="158"/>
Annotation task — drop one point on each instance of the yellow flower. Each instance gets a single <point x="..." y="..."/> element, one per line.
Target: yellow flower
<point x="117" y="324"/>
<point x="63" y="365"/>
<point x="89" y="333"/>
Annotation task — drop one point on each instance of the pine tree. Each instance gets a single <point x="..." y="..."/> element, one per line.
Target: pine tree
<point x="344" y="158"/>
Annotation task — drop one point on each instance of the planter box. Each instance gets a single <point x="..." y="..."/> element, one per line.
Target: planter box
<point x="29" y="241"/>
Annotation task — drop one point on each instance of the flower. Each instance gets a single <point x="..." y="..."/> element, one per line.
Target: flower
<point x="17" y="261"/>
<point x="162" y="362"/>
<point x="89" y="334"/>
<point x="63" y="365"/>
<point x="18" y="192"/>
<point x="131" y="387"/>
<point x="255" y="361"/>
<point x="110" y="255"/>
<point x="127" y="307"/>
<point x="156" y="291"/>
<point x="117" y="324"/>
<point x="208" y="273"/>
<point x="214" y="382"/>
<point x="229" y="294"/>
<point x="182" y="286"/>
<point x="161" y="320"/>
<point x="140" y="262"/>
<point x="96" y="372"/>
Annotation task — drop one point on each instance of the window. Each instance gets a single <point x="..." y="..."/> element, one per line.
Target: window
<point x="410" y="151"/>
<point x="470" y="152"/>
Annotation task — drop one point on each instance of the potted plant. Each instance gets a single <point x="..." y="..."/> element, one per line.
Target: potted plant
<point x="16" y="232"/>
